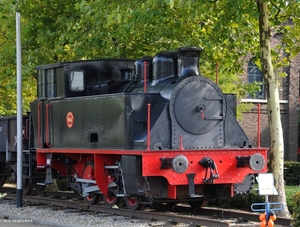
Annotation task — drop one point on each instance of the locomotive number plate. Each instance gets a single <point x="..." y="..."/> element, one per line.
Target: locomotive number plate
<point x="70" y="119"/>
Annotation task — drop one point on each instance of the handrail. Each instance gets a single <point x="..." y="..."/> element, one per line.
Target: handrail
<point x="145" y="77"/>
<point x="26" y="129"/>
<point x="47" y="125"/>
<point x="148" y="127"/>
<point x="39" y="124"/>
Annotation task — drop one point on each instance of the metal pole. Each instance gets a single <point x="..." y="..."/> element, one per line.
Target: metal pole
<point x="145" y="77"/>
<point x="258" y="125"/>
<point x="148" y="127"/>
<point x="19" y="114"/>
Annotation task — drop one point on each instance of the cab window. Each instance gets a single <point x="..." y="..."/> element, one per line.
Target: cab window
<point x="77" y="81"/>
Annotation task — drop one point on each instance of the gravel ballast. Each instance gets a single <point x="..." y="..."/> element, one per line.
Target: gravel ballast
<point x="64" y="218"/>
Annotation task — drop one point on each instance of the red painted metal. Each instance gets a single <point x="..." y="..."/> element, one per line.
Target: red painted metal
<point x="148" y="127"/>
<point x="145" y="76"/>
<point x="40" y="160"/>
<point x="225" y="160"/>
<point x="158" y="153"/>
<point x="70" y="119"/>
<point x="202" y="115"/>
<point x="27" y="129"/>
<point x="231" y="190"/>
<point x="172" y="191"/>
<point x="101" y="175"/>
<point x="47" y="125"/>
<point x="258" y="125"/>
<point x="39" y="124"/>
<point x="180" y="144"/>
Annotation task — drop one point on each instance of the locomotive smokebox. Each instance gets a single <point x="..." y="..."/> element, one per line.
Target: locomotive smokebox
<point x="189" y="60"/>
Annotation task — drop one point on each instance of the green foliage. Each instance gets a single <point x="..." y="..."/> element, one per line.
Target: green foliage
<point x="290" y="192"/>
<point x="73" y="30"/>
<point x="292" y="173"/>
<point x="296" y="213"/>
<point x="244" y="202"/>
<point x="58" y="185"/>
<point x="238" y="202"/>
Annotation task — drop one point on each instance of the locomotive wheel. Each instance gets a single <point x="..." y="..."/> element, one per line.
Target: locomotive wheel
<point x="171" y="205"/>
<point x="92" y="199"/>
<point x="2" y="181"/>
<point x="27" y="186"/>
<point x="110" y="201"/>
<point x="39" y="188"/>
<point x="198" y="204"/>
<point x="2" y="170"/>
<point x="88" y="173"/>
<point x="133" y="203"/>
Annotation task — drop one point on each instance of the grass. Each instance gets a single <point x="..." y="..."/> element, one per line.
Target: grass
<point x="290" y="191"/>
<point x="244" y="202"/>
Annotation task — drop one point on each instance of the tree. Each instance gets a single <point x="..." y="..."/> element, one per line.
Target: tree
<point x="234" y="19"/>
<point x="228" y="30"/>
<point x="276" y="146"/>
<point x="74" y="30"/>
<point x="8" y="87"/>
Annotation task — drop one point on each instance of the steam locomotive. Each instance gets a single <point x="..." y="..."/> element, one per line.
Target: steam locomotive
<point x="136" y="132"/>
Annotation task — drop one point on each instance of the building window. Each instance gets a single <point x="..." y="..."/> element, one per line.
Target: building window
<point x="255" y="75"/>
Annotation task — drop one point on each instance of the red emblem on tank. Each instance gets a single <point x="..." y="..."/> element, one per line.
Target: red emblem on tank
<point x="70" y="119"/>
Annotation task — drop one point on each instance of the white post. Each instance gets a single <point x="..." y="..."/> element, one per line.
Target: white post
<point x="19" y="115"/>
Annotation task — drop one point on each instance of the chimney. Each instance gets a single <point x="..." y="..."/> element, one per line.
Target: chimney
<point x="189" y="60"/>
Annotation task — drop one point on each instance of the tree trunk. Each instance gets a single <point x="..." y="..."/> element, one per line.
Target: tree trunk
<point x="276" y="147"/>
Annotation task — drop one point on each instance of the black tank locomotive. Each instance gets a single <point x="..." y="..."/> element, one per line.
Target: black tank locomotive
<point x="144" y="131"/>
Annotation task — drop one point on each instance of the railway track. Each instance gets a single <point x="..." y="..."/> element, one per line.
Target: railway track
<point x="179" y="214"/>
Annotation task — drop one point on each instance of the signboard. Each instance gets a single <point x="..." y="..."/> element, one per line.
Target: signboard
<point x="266" y="184"/>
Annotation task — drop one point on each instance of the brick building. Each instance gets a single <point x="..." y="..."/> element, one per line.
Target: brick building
<point x="289" y="105"/>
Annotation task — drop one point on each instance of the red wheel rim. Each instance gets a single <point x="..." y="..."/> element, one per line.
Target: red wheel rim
<point x="110" y="199"/>
<point x="132" y="201"/>
<point x="88" y="173"/>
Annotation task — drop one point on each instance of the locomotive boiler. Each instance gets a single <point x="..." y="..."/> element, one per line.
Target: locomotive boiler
<point x="140" y="132"/>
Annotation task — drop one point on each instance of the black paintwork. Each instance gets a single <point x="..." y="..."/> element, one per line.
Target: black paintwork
<point x="8" y="133"/>
<point x="111" y="110"/>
